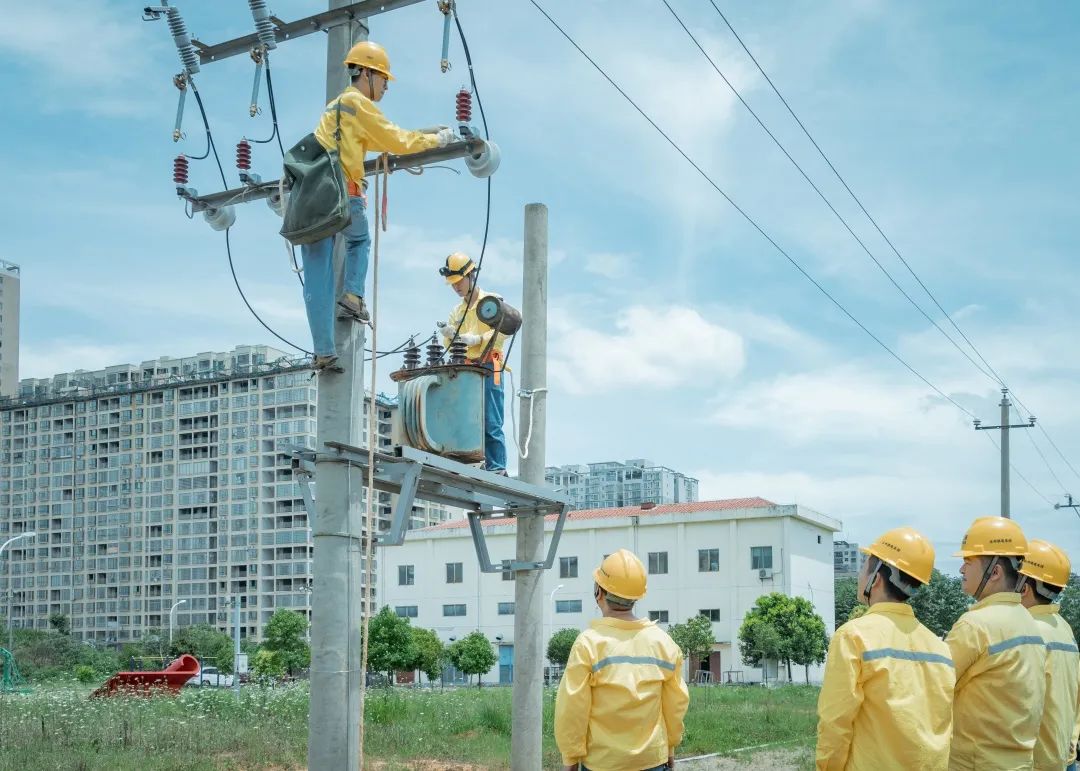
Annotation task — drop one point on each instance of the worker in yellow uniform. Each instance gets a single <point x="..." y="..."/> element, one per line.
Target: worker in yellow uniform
<point x="363" y="128"/>
<point x="622" y="698"/>
<point x="999" y="654"/>
<point x="485" y="347"/>
<point x="1043" y="576"/>
<point x="886" y="700"/>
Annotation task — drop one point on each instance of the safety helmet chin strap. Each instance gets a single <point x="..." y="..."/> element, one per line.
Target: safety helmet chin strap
<point x="870" y="581"/>
<point x="894" y="579"/>
<point x="1046" y="591"/>
<point x="1014" y="561"/>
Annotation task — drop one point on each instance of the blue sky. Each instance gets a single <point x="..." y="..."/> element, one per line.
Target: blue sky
<point x="677" y="332"/>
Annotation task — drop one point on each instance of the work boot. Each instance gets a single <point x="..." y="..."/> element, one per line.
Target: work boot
<point x="319" y="363"/>
<point x="353" y="307"/>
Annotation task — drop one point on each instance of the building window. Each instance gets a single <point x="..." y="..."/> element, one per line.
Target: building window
<point x="406" y="611"/>
<point x="453" y="610"/>
<point x="819" y="539"/>
<point x="453" y="572"/>
<point x="761" y="557"/>
<point x="659" y="616"/>
<point x="406" y="575"/>
<point x="713" y="614"/>
<point x="708" y="560"/>
<point x="506" y="608"/>
<point x="567" y="567"/>
<point x="657" y="562"/>
<point x="567" y="606"/>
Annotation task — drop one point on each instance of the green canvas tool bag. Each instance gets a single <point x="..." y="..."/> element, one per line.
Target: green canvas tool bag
<point x="318" y="203"/>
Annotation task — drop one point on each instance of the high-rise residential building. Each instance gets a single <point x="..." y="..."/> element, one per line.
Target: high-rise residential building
<point x="160" y="485"/>
<point x="9" y="328"/>
<point x="613" y="484"/>
<point x="847" y="559"/>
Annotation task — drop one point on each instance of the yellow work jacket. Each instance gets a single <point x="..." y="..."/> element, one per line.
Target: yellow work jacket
<point x="1000" y="658"/>
<point x="365" y="129"/>
<point x="1054" y="743"/>
<point x="473" y="326"/>
<point x="886" y="701"/>
<point x="622" y="697"/>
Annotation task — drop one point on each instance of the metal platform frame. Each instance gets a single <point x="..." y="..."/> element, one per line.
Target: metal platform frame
<point x="411" y="474"/>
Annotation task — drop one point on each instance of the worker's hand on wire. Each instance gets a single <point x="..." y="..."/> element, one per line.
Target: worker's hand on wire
<point x="446" y="136"/>
<point x="470" y="339"/>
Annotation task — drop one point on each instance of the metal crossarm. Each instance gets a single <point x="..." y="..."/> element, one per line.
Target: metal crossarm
<point x="257" y="191"/>
<point x="411" y="474"/>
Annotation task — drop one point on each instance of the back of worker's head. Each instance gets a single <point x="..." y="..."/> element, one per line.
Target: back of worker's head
<point x="1044" y="574"/>
<point x="620" y="580"/>
<point x="903" y="558"/>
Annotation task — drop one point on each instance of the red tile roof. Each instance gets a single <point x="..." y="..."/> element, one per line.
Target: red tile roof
<point x="628" y="511"/>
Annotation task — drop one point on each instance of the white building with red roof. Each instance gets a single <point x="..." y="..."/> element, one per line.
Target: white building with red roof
<point x="708" y="557"/>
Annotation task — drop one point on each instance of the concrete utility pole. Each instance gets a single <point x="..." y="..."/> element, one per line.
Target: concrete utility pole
<point x="236" y="648"/>
<point x="528" y="692"/>
<point x="1005" y="405"/>
<point x="337" y="531"/>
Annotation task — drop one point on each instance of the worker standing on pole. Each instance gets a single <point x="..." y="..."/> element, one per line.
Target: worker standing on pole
<point x="363" y="128"/>
<point x="622" y="698"/>
<point x="886" y="700"/>
<point x="485" y="347"/>
<point x="1043" y="577"/>
<point x="999" y="654"/>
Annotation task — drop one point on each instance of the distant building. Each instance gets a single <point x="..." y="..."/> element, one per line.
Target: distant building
<point x="9" y="328"/>
<point x="711" y="558"/>
<point x="847" y="559"/>
<point x="166" y="485"/>
<point x="612" y="484"/>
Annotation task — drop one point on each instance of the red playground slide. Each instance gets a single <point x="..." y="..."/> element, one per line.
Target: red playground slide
<point x="170" y="680"/>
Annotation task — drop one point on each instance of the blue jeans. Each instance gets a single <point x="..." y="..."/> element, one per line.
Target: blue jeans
<point x="1070" y="767"/>
<point x="320" y="292"/>
<point x="494" y="442"/>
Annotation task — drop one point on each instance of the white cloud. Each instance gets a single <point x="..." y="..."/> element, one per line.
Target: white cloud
<point x="651" y="347"/>
<point x="69" y="354"/>
<point x="608" y="264"/>
<point x="842" y="402"/>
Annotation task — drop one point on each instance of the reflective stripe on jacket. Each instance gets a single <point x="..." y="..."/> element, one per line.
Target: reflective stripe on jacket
<point x="886" y="700"/>
<point x="1054" y="744"/>
<point x="622" y="697"/>
<point x="473" y="325"/>
<point x="365" y="129"/>
<point x="1000" y="658"/>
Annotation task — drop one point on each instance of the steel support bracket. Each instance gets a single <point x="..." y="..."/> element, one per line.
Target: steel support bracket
<point x="411" y="474"/>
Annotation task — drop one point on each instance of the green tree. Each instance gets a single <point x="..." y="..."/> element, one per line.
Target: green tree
<point x="428" y="652"/>
<point x="473" y="655"/>
<point x="810" y="642"/>
<point x="695" y="637"/>
<point x="389" y="643"/>
<point x="558" y="647"/>
<point x="284" y="636"/>
<point x="846" y="598"/>
<point x="857" y="612"/>
<point x="1070" y="604"/>
<point x="267" y="665"/>
<point x="794" y="621"/>
<point x="939" y="603"/>
<point x="60" y="623"/>
<point x="206" y="643"/>
<point x="759" y="642"/>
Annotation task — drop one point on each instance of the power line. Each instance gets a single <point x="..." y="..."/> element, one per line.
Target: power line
<point x="1040" y="452"/>
<point x="881" y="232"/>
<point x="1017" y="472"/>
<point x="822" y="196"/>
<point x="750" y="219"/>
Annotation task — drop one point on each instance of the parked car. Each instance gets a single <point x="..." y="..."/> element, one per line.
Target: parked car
<point x="209" y="676"/>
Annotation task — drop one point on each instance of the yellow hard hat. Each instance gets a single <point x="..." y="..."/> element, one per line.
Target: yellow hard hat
<point x="371" y="56"/>
<point x="993" y="537"/>
<point x="906" y="549"/>
<point x="458" y="266"/>
<point x="622" y="575"/>
<point x="1046" y="563"/>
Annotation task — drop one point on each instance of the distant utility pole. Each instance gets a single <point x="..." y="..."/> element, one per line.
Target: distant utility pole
<point x="1005" y="428"/>
<point x="1069" y="505"/>
<point x="527" y="709"/>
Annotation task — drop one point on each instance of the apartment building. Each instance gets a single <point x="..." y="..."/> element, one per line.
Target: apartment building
<point x="613" y="484"/>
<point x="711" y="557"/>
<point x="160" y="485"/>
<point x="9" y="328"/>
<point x="847" y="559"/>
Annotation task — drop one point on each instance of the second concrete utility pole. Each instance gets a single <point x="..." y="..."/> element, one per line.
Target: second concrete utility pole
<point x="1005" y="405"/>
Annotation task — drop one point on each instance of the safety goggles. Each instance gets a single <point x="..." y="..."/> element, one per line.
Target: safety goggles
<point x="445" y="271"/>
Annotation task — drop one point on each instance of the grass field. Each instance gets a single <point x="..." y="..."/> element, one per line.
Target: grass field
<point x="58" y="727"/>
